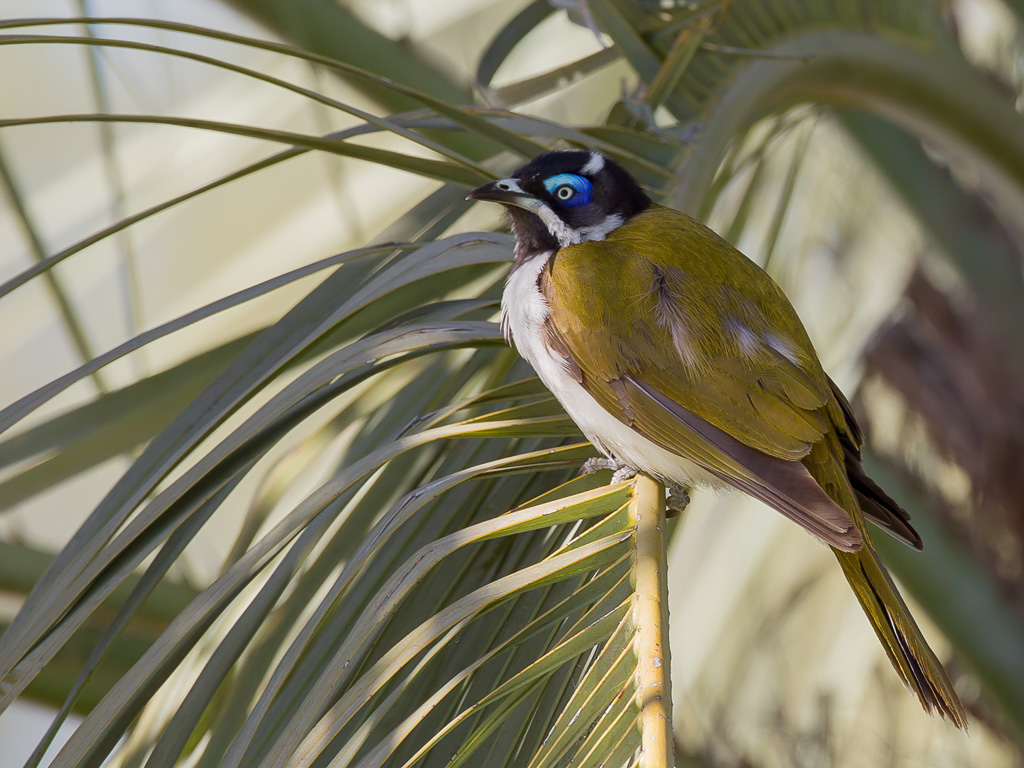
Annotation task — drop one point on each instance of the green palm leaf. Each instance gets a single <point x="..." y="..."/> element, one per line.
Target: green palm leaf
<point x="411" y="574"/>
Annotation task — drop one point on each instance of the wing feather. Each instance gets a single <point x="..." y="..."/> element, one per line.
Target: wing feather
<point x="728" y="393"/>
<point x="784" y="485"/>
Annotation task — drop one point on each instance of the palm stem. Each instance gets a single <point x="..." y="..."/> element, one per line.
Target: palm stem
<point x="650" y="613"/>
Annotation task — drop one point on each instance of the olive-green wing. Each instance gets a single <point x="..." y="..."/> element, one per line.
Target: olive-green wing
<point x="784" y="485"/>
<point x="746" y="413"/>
<point x="699" y="322"/>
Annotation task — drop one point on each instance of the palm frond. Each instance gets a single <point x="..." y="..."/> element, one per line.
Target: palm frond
<point x="406" y="570"/>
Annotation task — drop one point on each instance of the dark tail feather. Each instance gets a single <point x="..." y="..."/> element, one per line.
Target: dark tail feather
<point x="877" y="505"/>
<point x="906" y="647"/>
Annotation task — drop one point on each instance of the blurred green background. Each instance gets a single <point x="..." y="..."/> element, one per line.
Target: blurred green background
<point x="200" y="347"/>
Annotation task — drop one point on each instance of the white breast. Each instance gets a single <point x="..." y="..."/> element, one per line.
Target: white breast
<point x="523" y="313"/>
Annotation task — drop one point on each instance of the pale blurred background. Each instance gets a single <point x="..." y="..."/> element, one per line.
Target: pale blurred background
<point x="771" y="655"/>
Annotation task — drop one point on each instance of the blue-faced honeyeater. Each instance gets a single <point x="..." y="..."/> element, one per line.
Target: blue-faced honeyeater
<point x="680" y="358"/>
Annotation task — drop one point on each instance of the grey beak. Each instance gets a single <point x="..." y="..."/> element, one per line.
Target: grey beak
<point x="506" y="192"/>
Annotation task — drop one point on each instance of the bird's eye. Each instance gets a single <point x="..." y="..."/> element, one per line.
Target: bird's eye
<point x="570" y="190"/>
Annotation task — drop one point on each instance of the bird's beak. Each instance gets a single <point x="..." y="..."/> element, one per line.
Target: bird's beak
<point x="506" y="192"/>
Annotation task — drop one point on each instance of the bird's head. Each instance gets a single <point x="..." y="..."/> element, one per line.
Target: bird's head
<point x="563" y="198"/>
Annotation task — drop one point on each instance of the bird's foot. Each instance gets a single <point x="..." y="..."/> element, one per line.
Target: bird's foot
<point x="623" y="473"/>
<point x="676" y="500"/>
<point x="590" y="466"/>
<point x="620" y="471"/>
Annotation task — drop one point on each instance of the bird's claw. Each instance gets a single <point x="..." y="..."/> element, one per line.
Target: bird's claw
<point x="623" y="473"/>
<point x="620" y="471"/>
<point x="590" y="466"/>
<point x="676" y="500"/>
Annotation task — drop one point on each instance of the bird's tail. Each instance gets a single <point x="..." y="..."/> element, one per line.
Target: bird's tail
<point x="908" y="651"/>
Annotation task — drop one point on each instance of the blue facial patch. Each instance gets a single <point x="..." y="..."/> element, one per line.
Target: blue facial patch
<point x="569" y="190"/>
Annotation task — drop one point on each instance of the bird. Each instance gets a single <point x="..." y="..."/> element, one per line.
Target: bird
<point x="680" y="358"/>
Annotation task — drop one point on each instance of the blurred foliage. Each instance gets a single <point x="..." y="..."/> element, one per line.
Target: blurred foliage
<point x="343" y="526"/>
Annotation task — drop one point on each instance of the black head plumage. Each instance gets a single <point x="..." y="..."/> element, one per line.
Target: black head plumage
<point x="579" y="195"/>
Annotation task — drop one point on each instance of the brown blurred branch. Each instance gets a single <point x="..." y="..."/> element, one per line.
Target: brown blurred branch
<point x="958" y="374"/>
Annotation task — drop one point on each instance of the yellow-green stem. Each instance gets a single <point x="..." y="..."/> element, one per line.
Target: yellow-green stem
<point x="650" y="613"/>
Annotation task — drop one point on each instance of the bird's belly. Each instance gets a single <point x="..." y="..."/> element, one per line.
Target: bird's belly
<point x="524" y="311"/>
<point x="620" y="441"/>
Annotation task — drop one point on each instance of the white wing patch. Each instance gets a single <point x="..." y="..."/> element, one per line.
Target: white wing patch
<point x="784" y="347"/>
<point x="673" y="317"/>
<point x="745" y="338"/>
